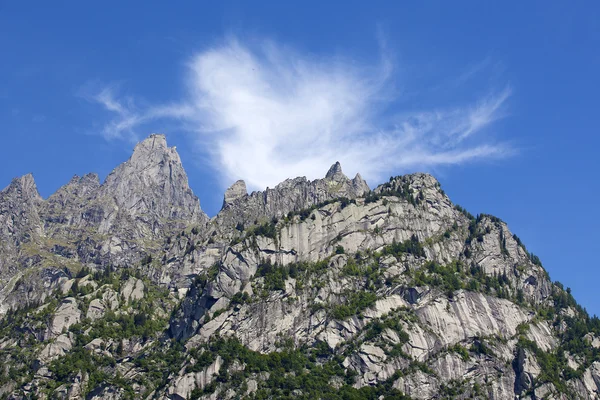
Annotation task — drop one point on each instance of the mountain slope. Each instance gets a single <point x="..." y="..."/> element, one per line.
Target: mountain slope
<point x="319" y="289"/>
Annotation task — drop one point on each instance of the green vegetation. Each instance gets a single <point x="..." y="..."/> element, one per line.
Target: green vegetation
<point x="85" y="361"/>
<point x="306" y="212"/>
<point x="411" y="246"/>
<point x="366" y="265"/>
<point x="267" y="229"/>
<point x="372" y="332"/>
<point x="456" y="276"/>
<point x="138" y="320"/>
<point x="275" y="275"/>
<point x="453" y="388"/>
<point x="240" y="298"/>
<point x="294" y="373"/>
<point x="354" y="304"/>
<point x="532" y="257"/>
<point x="120" y="326"/>
<point x="460" y="350"/>
<point x="397" y="187"/>
<point x="464" y="212"/>
<point x="159" y="362"/>
<point x="554" y="365"/>
<point x="479" y="347"/>
<point x="366" y="269"/>
<point x="378" y="325"/>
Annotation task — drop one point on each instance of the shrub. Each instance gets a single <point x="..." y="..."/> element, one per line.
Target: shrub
<point x="354" y="304"/>
<point x="411" y="246"/>
<point x="267" y="229"/>
<point x="460" y="350"/>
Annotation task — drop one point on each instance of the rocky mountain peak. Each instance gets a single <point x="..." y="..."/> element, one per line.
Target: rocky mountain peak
<point x="355" y="187"/>
<point x="150" y="153"/>
<point x="387" y="293"/>
<point x="78" y="187"/>
<point x="19" y="220"/>
<point x="289" y="195"/>
<point x="418" y="181"/>
<point x="155" y="143"/>
<point x="234" y="192"/>
<point x="90" y="181"/>
<point x="335" y="172"/>
<point x="360" y="185"/>
<point x="153" y="181"/>
<point x="23" y="187"/>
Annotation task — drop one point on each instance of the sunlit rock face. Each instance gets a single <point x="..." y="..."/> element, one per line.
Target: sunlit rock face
<point x="311" y="289"/>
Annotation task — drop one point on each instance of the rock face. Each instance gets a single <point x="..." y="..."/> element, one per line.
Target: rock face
<point x="236" y="191"/>
<point x="142" y="202"/>
<point x="19" y="222"/>
<point x="150" y="186"/>
<point x="56" y="349"/>
<point x="132" y="290"/>
<point x="290" y="195"/>
<point x="311" y="289"/>
<point x="145" y="197"/>
<point x="66" y="315"/>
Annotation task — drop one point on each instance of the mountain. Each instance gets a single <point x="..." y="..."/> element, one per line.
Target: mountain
<point x="312" y="289"/>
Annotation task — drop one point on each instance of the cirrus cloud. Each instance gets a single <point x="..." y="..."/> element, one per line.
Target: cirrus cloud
<point x="267" y="113"/>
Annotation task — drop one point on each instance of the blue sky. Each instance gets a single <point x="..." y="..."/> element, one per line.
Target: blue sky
<point x="499" y="102"/>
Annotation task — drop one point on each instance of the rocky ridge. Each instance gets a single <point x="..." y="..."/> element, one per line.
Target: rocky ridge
<point x="141" y="203"/>
<point x="312" y="289"/>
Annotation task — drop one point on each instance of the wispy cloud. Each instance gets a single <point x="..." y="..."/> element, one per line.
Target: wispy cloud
<point x="266" y="113"/>
<point x="472" y="70"/>
<point x="129" y="119"/>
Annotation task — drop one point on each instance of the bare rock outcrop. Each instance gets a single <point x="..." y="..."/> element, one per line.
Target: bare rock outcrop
<point x="310" y="289"/>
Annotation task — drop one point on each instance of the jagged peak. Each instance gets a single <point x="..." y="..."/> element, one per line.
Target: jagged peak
<point x="359" y="182"/>
<point x="154" y="181"/>
<point x="90" y="178"/>
<point x="420" y="179"/>
<point x="148" y="155"/>
<point x="290" y="195"/>
<point x="78" y="186"/>
<point x="153" y="150"/>
<point x="425" y="179"/>
<point x="156" y="141"/>
<point x="234" y="192"/>
<point x="74" y="180"/>
<point x="23" y="185"/>
<point x="26" y="180"/>
<point x="335" y="172"/>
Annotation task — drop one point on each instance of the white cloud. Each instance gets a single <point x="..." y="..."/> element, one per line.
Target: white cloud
<point x="264" y="114"/>
<point x="128" y="120"/>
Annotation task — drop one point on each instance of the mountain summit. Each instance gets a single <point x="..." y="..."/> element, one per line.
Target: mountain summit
<point x="321" y="289"/>
<point x="153" y="186"/>
<point x="335" y="172"/>
<point x="153" y="181"/>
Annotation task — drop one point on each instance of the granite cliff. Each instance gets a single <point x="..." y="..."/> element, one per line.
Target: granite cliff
<point x="311" y="289"/>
